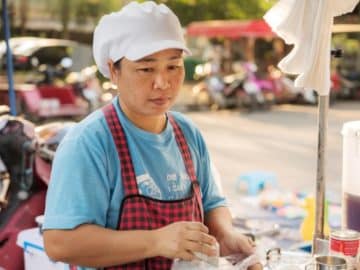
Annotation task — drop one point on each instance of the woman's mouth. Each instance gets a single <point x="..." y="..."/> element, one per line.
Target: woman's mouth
<point x="160" y="101"/>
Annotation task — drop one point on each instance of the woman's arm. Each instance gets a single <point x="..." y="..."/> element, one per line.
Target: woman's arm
<point x="219" y="222"/>
<point x="95" y="246"/>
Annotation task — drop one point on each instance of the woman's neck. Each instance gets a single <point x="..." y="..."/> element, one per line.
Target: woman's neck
<point x="153" y="124"/>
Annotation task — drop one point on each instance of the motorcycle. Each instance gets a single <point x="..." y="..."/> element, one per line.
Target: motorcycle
<point x="260" y="90"/>
<point x="83" y="85"/>
<point x="286" y="91"/>
<point x="86" y="86"/>
<point x="349" y="84"/>
<point x="26" y="153"/>
<point x="222" y="92"/>
<point x="219" y="92"/>
<point x="54" y="92"/>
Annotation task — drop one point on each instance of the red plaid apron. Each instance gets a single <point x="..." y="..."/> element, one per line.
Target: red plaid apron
<point x="143" y="213"/>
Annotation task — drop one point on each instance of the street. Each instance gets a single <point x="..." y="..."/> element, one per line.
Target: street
<point x="282" y="141"/>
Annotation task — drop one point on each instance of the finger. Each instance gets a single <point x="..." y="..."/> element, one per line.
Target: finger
<point x="187" y="255"/>
<point x="248" y="245"/>
<point x="257" y="266"/>
<point x="201" y="248"/>
<point x="201" y="237"/>
<point x="251" y="242"/>
<point x="197" y="226"/>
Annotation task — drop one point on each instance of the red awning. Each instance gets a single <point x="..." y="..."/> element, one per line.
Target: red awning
<point x="230" y="29"/>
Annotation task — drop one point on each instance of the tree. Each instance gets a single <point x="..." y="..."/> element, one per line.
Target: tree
<point x="89" y="11"/>
<point x="93" y="9"/>
<point x="65" y="17"/>
<point x="23" y="15"/>
<point x="198" y="10"/>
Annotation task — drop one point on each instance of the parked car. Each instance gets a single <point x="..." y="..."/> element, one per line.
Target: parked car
<point x="14" y="42"/>
<point x="32" y="51"/>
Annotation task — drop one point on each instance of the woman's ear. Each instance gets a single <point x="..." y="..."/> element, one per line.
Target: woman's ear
<point x="113" y="71"/>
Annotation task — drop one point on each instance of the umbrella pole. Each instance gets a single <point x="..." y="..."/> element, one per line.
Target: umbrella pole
<point x="9" y="62"/>
<point x="320" y="177"/>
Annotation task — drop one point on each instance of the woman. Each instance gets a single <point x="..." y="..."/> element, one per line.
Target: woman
<point x="131" y="186"/>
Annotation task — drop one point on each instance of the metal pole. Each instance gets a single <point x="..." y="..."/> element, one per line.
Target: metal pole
<point x="320" y="177"/>
<point x="9" y="62"/>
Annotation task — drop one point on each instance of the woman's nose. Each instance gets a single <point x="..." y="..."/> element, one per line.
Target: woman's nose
<point x="161" y="81"/>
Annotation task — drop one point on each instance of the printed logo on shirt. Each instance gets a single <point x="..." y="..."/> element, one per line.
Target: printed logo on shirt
<point x="171" y="177"/>
<point x="184" y="176"/>
<point x="177" y="186"/>
<point x="148" y="187"/>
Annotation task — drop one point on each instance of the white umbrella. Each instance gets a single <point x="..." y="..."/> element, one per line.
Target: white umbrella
<point x="307" y="25"/>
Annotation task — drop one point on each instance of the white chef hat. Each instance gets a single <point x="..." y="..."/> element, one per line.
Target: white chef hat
<point x="136" y="31"/>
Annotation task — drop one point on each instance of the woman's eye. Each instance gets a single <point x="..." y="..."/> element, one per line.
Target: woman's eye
<point x="174" y="67"/>
<point x="145" y="70"/>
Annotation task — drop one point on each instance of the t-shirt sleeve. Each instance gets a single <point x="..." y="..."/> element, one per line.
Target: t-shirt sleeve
<point x="211" y="192"/>
<point x="79" y="189"/>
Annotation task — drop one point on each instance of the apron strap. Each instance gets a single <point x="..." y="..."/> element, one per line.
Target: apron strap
<point x="189" y="165"/>
<point x="118" y="134"/>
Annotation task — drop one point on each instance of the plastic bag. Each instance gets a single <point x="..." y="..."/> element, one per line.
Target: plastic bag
<point x="233" y="262"/>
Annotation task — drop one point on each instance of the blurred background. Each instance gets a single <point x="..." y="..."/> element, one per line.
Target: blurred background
<point x="260" y="129"/>
<point x="234" y="58"/>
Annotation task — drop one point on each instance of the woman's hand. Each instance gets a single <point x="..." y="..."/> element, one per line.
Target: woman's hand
<point x="182" y="239"/>
<point x="257" y="266"/>
<point x="234" y="242"/>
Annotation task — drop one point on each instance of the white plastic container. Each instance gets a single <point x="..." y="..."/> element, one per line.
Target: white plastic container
<point x="351" y="176"/>
<point x="34" y="254"/>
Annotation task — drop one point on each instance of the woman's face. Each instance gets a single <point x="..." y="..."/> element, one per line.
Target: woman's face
<point x="149" y="86"/>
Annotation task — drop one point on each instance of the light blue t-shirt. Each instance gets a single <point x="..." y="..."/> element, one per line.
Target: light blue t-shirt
<point x="86" y="185"/>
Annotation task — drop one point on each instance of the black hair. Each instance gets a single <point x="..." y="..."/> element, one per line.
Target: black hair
<point x="117" y="64"/>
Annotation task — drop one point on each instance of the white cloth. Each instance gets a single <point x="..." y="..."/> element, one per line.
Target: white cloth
<point x="307" y="25"/>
